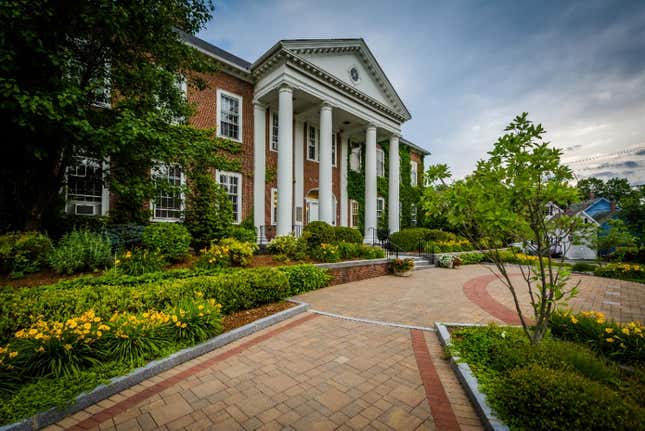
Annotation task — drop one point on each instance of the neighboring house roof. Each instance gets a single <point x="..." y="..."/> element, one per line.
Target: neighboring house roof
<point x="415" y="147"/>
<point x="599" y="210"/>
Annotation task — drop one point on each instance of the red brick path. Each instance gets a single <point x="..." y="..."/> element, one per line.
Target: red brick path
<point x="122" y="406"/>
<point x="442" y="413"/>
<point x="476" y="291"/>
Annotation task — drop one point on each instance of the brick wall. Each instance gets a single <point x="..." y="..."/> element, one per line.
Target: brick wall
<point x="416" y="157"/>
<point x="355" y="273"/>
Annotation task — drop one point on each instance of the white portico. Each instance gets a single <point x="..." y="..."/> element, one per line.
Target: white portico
<point x="322" y="95"/>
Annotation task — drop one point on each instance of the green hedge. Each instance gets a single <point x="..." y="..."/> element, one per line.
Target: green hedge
<point x="408" y="239"/>
<point x="348" y="234"/>
<point x="303" y="278"/>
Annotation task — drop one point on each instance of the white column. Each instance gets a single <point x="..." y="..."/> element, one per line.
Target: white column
<point x="285" y="161"/>
<point x="370" y="183"/>
<point x="393" y="185"/>
<point x="324" y="165"/>
<point x="259" y="166"/>
<point x="298" y="172"/>
<point x="344" y="144"/>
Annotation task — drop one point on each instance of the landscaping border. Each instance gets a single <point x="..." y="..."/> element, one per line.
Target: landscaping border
<point x="120" y="383"/>
<point x="469" y="381"/>
<point x="354" y="270"/>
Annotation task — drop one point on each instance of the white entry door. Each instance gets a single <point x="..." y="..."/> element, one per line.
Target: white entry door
<point x="312" y="210"/>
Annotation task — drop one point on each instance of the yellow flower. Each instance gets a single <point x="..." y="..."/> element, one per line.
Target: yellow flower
<point x="600" y="321"/>
<point x="13" y="354"/>
<point x="623" y="345"/>
<point x="67" y="347"/>
<point x="174" y="318"/>
<point x="128" y="254"/>
<point x="99" y="333"/>
<point x="178" y="324"/>
<point x="40" y="349"/>
<point x="609" y="330"/>
<point x="117" y="262"/>
<point x="625" y="331"/>
<point x="183" y="325"/>
<point x="610" y="340"/>
<point x="574" y="320"/>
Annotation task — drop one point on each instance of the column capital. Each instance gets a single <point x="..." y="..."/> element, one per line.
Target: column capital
<point x="259" y="105"/>
<point x="325" y="105"/>
<point x="371" y="126"/>
<point x="286" y="88"/>
<point x="395" y="136"/>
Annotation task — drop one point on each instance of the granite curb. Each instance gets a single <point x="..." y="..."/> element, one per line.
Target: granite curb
<point x="120" y="383"/>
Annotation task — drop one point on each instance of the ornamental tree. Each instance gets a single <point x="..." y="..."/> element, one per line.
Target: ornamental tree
<point x="505" y="201"/>
<point x="99" y="78"/>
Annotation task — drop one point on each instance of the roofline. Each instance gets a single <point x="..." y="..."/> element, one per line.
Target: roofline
<point x="217" y="53"/>
<point x="416" y="147"/>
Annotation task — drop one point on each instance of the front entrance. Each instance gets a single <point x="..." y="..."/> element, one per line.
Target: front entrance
<point x="311" y="202"/>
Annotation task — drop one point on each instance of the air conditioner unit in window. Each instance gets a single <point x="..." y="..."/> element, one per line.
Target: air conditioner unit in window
<point x="87" y="208"/>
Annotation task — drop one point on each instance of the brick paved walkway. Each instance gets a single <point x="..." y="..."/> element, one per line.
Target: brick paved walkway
<point x="316" y="372"/>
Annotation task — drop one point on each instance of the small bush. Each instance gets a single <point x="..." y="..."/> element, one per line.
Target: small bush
<point x="139" y="261"/>
<point x="242" y="234"/>
<point x="539" y="398"/>
<point x="317" y="233"/>
<point x="623" y="271"/>
<point x="371" y="252"/>
<point x="450" y="246"/>
<point x="348" y="234"/>
<point x="583" y="267"/>
<point x="410" y="239"/>
<point x="288" y="246"/>
<point x="125" y="236"/>
<point x="23" y="252"/>
<point x="325" y="253"/>
<point x="303" y="278"/>
<point x="81" y="250"/>
<point x="471" y="258"/>
<point x="172" y="240"/>
<point x="228" y="252"/>
<point x="348" y="250"/>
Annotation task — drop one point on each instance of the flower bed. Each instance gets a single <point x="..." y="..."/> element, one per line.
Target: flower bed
<point x="557" y="385"/>
<point x="623" y="271"/>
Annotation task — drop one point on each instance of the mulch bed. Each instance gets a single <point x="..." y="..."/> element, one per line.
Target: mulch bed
<point x="241" y="318"/>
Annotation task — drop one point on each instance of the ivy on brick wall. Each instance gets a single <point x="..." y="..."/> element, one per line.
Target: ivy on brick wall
<point x="408" y="194"/>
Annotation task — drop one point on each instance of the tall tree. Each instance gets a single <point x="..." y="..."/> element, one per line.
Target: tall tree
<point x="505" y="200"/>
<point x="616" y="189"/>
<point x="98" y="78"/>
<point x="591" y="187"/>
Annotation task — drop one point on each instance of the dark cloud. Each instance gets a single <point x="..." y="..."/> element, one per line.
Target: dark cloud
<point x="625" y="164"/>
<point x="640" y="153"/>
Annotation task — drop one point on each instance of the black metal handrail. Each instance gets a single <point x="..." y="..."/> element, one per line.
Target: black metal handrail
<point x="392" y="249"/>
<point x="422" y="250"/>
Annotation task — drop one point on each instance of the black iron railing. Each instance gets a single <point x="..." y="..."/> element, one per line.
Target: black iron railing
<point x="426" y="249"/>
<point x="391" y="249"/>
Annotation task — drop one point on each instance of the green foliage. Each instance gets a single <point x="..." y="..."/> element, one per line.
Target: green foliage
<point x="23" y="252"/>
<point x="171" y="240"/>
<point x="583" y="267"/>
<point x="81" y="250"/>
<point x="622" y="271"/>
<point x="402" y="265"/>
<point x="139" y="261"/>
<point x="242" y="234"/>
<point x="317" y="233"/>
<point x="228" y="252"/>
<point x="623" y="343"/>
<point x="348" y="234"/>
<point x="411" y="238"/>
<point x="348" y="250"/>
<point x="303" y="278"/>
<point x="371" y="252"/>
<point x="615" y="235"/>
<point x="209" y="211"/>
<point x="325" y="253"/>
<point x="52" y="107"/>
<point x="125" y="236"/>
<point x="288" y="246"/>
<point x="472" y="258"/>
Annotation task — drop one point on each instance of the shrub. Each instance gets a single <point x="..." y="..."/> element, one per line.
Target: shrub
<point x="410" y="239"/>
<point x="81" y="250"/>
<point x="242" y="234"/>
<point x="139" y="261"/>
<point x="289" y="246"/>
<point x="171" y="240"/>
<point x="348" y="250"/>
<point x="23" y="252"/>
<point x="539" y="398"/>
<point x="303" y="278"/>
<point x="317" y="233"/>
<point x="209" y="210"/>
<point x="371" y="252"/>
<point x="623" y="343"/>
<point x="325" y="253"/>
<point x="583" y="267"/>
<point x="348" y="234"/>
<point x="228" y="252"/>
<point x="450" y="246"/>
<point x="471" y="258"/>
<point x="195" y="320"/>
<point x="623" y="271"/>
<point x="125" y="236"/>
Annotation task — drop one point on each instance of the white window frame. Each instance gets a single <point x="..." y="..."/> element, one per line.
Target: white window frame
<point x="380" y="163"/>
<point x="182" y="197"/>
<point x="238" y="219"/>
<point x="334" y="150"/>
<point x="218" y="113"/>
<point x="273" y="134"/>
<point x="414" y="173"/>
<point x="105" y="89"/>
<point x="316" y="142"/>
<point x="380" y="202"/>
<point x="105" y="191"/>
<point x="359" y="150"/>
<point x="274" y="206"/>
<point x="351" y="213"/>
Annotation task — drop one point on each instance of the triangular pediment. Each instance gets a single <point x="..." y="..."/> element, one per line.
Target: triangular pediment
<point x="350" y="61"/>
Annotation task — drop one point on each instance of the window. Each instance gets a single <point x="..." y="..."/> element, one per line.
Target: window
<point x="355" y="159"/>
<point x="380" y="162"/>
<point x="86" y="194"/>
<point x="169" y="203"/>
<point x="354" y="215"/>
<point x="232" y="184"/>
<point x="413" y="174"/>
<point x="312" y="144"/>
<point x="182" y="86"/>
<point x="103" y="91"/>
<point x="413" y="214"/>
<point x="333" y="149"/>
<point x="274" y="131"/>
<point x="230" y="115"/>
<point x="274" y="206"/>
<point x="380" y="208"/>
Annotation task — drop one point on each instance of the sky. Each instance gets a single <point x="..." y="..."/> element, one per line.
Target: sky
<point x="465" y="69"/>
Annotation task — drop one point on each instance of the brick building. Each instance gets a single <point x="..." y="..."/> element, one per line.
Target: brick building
<point x="305" y="113"/>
